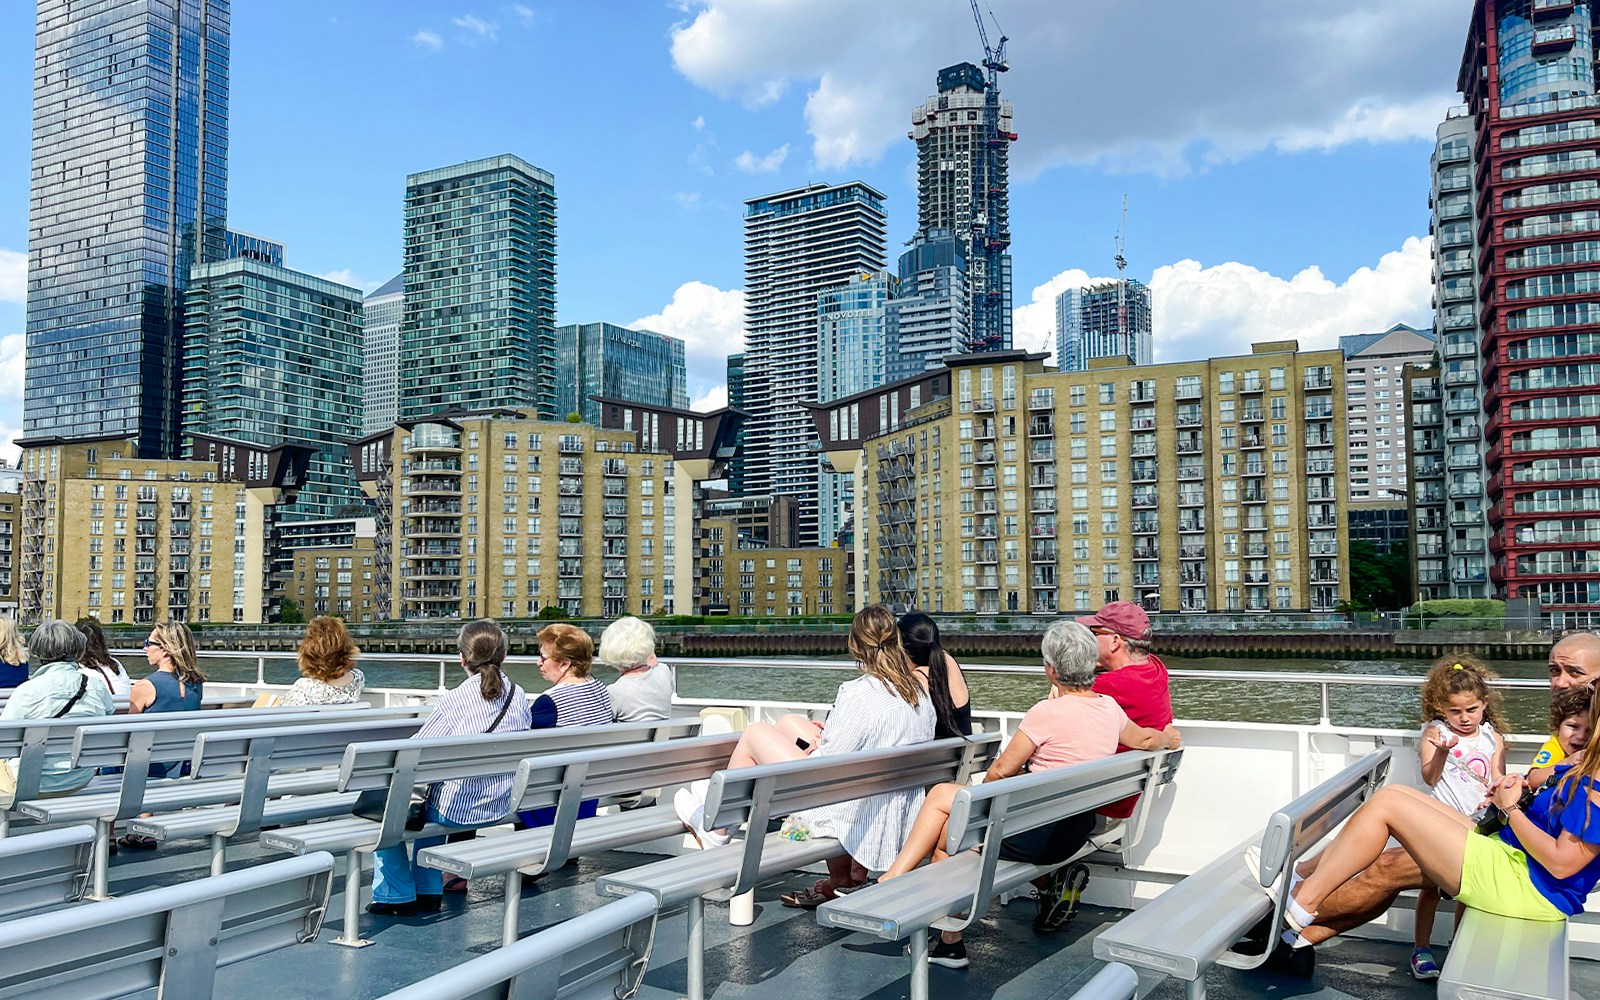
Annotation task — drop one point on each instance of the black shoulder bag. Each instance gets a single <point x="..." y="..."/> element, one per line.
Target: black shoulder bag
<point x="370" y="803"/>
<point x="83" y="688"/>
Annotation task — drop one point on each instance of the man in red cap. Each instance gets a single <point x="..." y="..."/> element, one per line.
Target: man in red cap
<point x="1130" y="674"/>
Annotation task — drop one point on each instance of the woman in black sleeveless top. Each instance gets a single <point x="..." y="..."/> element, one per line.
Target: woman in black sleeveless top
<point x="952" y="702"/>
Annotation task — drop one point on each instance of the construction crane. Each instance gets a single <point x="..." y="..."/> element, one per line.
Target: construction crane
<point x="1122" y="277"/>
<point x="990" y="238"/>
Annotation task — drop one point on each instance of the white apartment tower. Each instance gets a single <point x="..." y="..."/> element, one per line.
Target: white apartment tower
<point x="383" y="311"/>
<point x="798" y="243"/>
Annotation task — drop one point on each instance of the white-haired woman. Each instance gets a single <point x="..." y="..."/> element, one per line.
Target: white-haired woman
<point x="1071" y="725"/>
<point x="643" y="691"/>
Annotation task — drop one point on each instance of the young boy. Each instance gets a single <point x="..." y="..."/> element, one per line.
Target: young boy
<point x="1569" y="732"/>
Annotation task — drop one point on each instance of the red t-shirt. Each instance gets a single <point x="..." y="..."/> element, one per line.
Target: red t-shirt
<point x="1143" y="692"/>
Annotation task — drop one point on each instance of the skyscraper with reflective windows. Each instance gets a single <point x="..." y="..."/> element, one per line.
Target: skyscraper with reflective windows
<point x="480" y="289"/>
<point x="797" y="243"/>
<point x="852" y="357"/>
<point x="600" y="359"/>
<point x="1109" y="320"/>
<point x="128" y="191"/>
<point x="274" y="355"/>
<point x="382" y="313"/>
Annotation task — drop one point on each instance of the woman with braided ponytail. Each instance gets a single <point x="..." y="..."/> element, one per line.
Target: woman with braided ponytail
<point x="885" y="707"/>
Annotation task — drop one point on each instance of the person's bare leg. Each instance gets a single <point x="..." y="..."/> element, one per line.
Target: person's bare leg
<point x="927" y="831"/>
<point x="798" y="727"/>
<point x="761" y="743"/>
<point x="1421" y="824"/>
<point x="1422" y="924"/>
<point x="1364" y="898"/>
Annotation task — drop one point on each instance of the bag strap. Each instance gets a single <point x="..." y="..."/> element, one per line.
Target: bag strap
<point x="496" y="723"/>
<point x="83" y="687"/>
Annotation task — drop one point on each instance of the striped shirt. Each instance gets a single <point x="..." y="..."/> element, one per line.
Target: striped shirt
<point x="464" y="712"/>
<point x="586" y="703"/>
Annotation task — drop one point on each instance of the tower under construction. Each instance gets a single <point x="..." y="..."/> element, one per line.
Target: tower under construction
<point x="963" y="136"/>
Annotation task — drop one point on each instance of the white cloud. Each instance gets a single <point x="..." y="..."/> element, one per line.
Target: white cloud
<point x="523" y="13"/>
<point x="1202" y="312"/>
<point x="714" y="398"/>
<point x="709" y="321"/>
<point x="699" y="123"/>
<point x="1215" y="81"/>
<point x="345" y="276"/>
<point x="13" y="276"/>
<point x="687" y="200"/>
<point x="476" y="29"/>
<point x="425" y="39"/>
<point x="11" y="364"/>
<point x="750" y="163"/>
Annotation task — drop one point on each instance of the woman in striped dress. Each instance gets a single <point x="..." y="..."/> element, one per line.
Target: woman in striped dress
<point x="566" y="654"/>
<point x="486" y="702"/>
<point x="885" y="707"/>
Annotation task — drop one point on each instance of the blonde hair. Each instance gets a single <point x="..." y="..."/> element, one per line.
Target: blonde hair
<point x="875" y="644"/>
<point x="12" y="649"/>
<point x="327" y="652"/>
<point x="177" y="640"/>
<point x="1586" y="769"/>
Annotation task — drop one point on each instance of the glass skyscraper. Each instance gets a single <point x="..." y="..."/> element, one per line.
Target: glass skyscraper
<point x="129" y="189"/>
<point x="599" y="359"/>
<point x="1108" y="320"/>
<point x="480" y="289"/>
<point x="852" y="350"/>
<point x="273" y="355"/>
<point x="736" y="400"/>
<point x="383" y="312"/>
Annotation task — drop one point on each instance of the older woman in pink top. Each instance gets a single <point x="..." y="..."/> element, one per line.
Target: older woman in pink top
<point x="1072" y="725"/>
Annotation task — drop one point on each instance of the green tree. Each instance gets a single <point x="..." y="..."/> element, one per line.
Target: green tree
<point x="574" y="417"/>
<point x="289" y="613"/>
<point x="552" y="612"/>
<point x="1379" y="581"/>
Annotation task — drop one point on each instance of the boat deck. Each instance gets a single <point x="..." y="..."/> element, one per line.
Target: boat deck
<point x="783" y="954"/>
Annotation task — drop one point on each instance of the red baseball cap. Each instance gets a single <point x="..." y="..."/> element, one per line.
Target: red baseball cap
<point x="1122" y="617"/>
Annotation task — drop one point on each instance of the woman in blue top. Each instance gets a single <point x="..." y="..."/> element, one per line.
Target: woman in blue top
<point x="566" y="655"/>
<point x="1540" y="866"/>
<point x="13" y="654"/>
<point x="176" y="685"/>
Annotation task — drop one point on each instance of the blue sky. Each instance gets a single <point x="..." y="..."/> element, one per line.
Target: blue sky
<point x="1275" y="156"/>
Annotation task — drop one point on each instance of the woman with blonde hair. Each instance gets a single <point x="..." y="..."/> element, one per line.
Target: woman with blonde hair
<point x="13" y="654"/>
<point x="176" y="685"/>
<point x="884" y="707"/>
<point x="328" y="672"/>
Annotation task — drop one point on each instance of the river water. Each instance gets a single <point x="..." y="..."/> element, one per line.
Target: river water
<point x="1254" y="701"/>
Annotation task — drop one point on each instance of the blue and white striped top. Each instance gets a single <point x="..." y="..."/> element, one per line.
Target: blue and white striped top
<point x="463" y="712"/>
<point x="587" y="703"/>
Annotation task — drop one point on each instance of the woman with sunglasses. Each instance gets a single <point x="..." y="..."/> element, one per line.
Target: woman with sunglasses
<point x="176" y="685"/>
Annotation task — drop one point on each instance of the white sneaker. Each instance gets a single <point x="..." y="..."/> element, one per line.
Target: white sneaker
<point x="692" y="811"/>
<point x="1294" y="915"/>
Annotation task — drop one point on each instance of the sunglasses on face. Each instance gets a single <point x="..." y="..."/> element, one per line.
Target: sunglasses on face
<point x="148" y="643"/>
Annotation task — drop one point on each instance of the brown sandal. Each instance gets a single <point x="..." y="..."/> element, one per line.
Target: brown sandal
<point x="809" y="899"/>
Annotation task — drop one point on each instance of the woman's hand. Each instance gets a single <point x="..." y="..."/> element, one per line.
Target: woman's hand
<point x="1507" y="791"/>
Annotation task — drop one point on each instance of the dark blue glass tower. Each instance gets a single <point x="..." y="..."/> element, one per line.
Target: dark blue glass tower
<point x="128" y="191"/>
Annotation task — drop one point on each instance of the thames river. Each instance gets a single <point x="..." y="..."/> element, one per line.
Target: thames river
<point x="1255" y="701"/>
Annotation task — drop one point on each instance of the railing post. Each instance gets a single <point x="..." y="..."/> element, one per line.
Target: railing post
<point x="261" y="670"/>
<point x="1323" y="686"/>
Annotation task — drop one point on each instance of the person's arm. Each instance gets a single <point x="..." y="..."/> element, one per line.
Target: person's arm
<point x="959" y="695"/>
<point x="1497" y="763"/>
<point x="1013" y="759"/>
<point x="1436" y="743"/>
<point x="141" y="696"/>
<point x="1137" y="737"/>
<point x="543" y="713"/>
<point x="1563" y="855"/>
<point x="1545" y="761"/>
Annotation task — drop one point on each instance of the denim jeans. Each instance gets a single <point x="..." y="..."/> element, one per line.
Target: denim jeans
<point x="396" y="878"/>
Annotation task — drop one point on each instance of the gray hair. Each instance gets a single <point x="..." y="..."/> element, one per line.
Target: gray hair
<point x="55" y="641"/>
<point x="1071" y="650"/>
<point x="627" y="642"/>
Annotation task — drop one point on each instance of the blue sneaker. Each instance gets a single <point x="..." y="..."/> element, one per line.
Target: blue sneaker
<point x="1422" y="964"/>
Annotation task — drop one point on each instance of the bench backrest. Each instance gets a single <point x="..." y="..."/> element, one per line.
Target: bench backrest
<point x="599" y="955"/>
<point x="985" y="814"/>
<point x="565" y="780"/>
<point x="172" y="938"/>
<point x="755" y="795"/>
<point x="134" y="746"/>
<point x="30" y="740"/>
<point x="401" y="765"/>
<point x="42" y="870"/>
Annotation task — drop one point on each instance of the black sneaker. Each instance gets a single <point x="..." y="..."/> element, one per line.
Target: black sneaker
<point x="406" y="909"/>
<point x="429" y="903"/>
<point x="1058" y="902"/>
<point x="951" y="956"/>
<point x="1300" y="962"/>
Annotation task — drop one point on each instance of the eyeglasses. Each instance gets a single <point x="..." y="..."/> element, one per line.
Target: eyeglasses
<point x="151" y="642"/>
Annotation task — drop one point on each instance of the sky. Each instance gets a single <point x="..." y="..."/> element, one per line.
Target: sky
<point x="1274" y="155"/>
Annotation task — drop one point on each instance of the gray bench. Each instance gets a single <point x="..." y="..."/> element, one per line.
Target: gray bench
<point x="43" y="870"/>
<point x="31" y="741"/>
<point x="753" y="796"/>
<point x="1114" y="982"/>
<point x="171" y="939"/>
<point x="400" y="765"/>
<point x="265" y="753"/>
<point x="1495" y="956"/>
<point x="954" y="893"/>
<point x="1195" y="924"/>
<point x="564" y="782"/>
<point x="134" y="745"/>
<point x="599" y="955"/>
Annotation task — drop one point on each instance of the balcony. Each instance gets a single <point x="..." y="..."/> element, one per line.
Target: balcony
<point x="1250" y="385"/>
<point x="1190" y="472"/>
<point x="1042" y="427"/>
<point x="1318" y="380"/>
<point x="1144" y="472"/>
<point x="1144" y="552"/>
<point x="1041" y="399"/>
<point x="1144" y="499"/>
<point x="983" y="405"/>
<point x="1145" y="526"/>
<point x="1251" y="415"/>
<point x="1191" y="525"/>
<point x="1042" y="451"/>
<point x="433" y="486"/>
<point x="1185" y="392"/>
<point x="1191" y="498"/>
<point x="1189" y="420"/>
<point x="1190" y="445"/>
<point x="986" y="456"/>
<point x="1250" y="442"/>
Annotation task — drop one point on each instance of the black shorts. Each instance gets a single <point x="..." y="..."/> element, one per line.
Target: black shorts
<point x="1050" y="844"/>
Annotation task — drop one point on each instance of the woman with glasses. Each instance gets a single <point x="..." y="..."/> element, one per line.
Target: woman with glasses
<point x="574" y="699"/>
<point x="176" y="685"/>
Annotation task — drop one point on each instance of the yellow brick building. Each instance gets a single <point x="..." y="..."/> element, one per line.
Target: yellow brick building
<point x="335" y="581"/>
<point x="997" y="485"/>
<point x="10" y="551"/>
<point x="742" y="578"/>
<point x="125" y="539"/>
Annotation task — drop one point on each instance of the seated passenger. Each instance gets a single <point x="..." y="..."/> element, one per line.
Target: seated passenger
<point x="1569" y="733"/>
<point x="644" y="687"/>
<point x="58" y="689"/>
<point x="574" y="699"/>
<point x="13" y="654"/>
<point x="98" y="659"/>
<point x="486" y="702"/>
<point x="328" y="672"/>
<point x="940" y="674"/>
<point x="885" y="707"/>
<point x="1071" y="726"/>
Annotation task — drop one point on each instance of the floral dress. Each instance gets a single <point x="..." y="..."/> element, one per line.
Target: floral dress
<point x="310" y="691"/>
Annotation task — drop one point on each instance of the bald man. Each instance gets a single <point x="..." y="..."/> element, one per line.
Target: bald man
<point x="1574" y="660"/>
